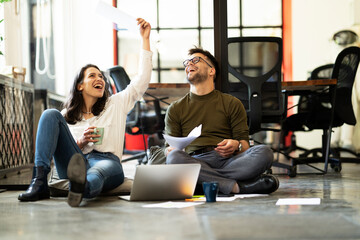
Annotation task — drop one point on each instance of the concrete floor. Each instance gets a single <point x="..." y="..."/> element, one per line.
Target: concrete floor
<point x="337" y="217"/>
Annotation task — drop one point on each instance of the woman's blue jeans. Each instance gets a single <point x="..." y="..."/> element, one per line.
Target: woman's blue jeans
<point x="54" y="140"/>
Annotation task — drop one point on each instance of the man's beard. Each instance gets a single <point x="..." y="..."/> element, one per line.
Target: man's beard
<point x="197" y="78"/>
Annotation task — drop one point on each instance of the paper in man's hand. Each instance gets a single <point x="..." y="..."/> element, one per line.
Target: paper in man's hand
<point x="181" y="142"/>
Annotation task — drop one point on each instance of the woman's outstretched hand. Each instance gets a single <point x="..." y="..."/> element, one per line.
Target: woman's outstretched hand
<point x="145" y="29"/>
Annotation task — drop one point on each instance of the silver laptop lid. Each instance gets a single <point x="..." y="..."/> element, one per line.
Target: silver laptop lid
<point x="164" y="182"/>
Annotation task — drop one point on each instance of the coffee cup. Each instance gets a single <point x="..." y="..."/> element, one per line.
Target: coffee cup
<point x="99" y="131"/>
<point x="210" y="190"/>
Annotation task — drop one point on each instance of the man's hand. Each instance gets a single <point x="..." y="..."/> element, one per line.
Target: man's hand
<point x="227" y="147"/>
<point x="168" y="150"/>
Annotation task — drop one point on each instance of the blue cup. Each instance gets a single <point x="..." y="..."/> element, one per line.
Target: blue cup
<point x="211" y="190"/>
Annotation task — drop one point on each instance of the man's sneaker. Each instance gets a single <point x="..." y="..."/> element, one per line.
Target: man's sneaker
<point x="264" y="184"/>
<point x="77" y="176"/>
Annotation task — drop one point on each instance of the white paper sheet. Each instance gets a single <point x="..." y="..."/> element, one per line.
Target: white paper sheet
<point x="172" y="205"/>
<point x="218" y="199"/>
<point x="122" y="19"/>
<point x="203" y="199"/>
<point x="181" y="142"/>
<point x="125" y="197"/>
<point x="250" y="195"/>
<point x="229" y="199"/>
<point x="225" y="199"/>
<point x="298" y="201"/>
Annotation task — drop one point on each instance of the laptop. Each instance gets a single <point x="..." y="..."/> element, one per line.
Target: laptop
<point x="164" y="182"/>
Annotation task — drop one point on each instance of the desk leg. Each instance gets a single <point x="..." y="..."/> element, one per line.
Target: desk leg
<point x="326" y="151"/>
<point x="328" y="135"/>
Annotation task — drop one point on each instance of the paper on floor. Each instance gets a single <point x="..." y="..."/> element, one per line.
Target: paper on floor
<point x="227" y="199"/>
<point x="218" y="199"/>
<point x="172" y="205"/>
<point x="298" y="201"/>
<point x="203" y="199"/>
<point x="250" y="195"/>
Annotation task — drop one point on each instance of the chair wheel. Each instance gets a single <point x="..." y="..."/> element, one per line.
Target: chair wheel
<point x="292" y="171"/>
<point x="336" y="166"/>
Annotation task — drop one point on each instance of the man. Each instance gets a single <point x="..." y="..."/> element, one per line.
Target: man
<point x="223" y="148"/>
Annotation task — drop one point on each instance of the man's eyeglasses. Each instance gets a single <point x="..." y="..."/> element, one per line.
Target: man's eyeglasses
<point x="195" y="60"/>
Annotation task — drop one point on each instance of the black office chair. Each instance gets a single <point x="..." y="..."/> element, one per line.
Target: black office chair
<point x="325" y="72"/>
<point x="145" y="118"/>
<point x="255" y="78"/>
<point x="327" y="110"/>
<point x="308" y="103"/>
<point x="322" y="72"/>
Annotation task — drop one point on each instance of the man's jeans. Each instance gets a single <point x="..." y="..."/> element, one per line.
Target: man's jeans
<point x="227" y="171"/>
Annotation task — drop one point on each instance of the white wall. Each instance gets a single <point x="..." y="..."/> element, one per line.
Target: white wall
<point x="14" y="34"/>
<point x="2" y="26"/>
<point x="314" y="23"/>
<point x="81" y="37"/>
<point x="16" y="52"/>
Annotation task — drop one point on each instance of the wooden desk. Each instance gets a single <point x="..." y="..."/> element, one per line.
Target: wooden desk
<point x="305" y="87"/>
<point x="310" y="85"/>
<point x="170" y="91"/>
<point x="168" y="85"/>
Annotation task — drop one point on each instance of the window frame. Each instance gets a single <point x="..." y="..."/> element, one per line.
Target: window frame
<point x="199" y="28"/>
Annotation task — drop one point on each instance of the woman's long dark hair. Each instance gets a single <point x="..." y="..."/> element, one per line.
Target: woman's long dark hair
<point x="75" y="101"/>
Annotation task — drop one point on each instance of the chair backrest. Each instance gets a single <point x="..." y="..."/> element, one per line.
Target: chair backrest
<point x="322" y="72"/>
<point x="145" y="114"/>
<point x="254" y="65"/>
<point x="121" y="80"/>
<point x="107" y="82"/>
<point x="309" y="103"/>
<point x="344" y="71"/>
<point x="120" y="77"/>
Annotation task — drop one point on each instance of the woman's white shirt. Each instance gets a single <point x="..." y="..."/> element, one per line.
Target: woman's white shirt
<point x="113" y="117"/>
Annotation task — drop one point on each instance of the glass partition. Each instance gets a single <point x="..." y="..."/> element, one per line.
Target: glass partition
<point x="180" y="25"/>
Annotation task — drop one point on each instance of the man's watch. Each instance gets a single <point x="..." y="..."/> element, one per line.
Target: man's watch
<point x="240" y="146"/>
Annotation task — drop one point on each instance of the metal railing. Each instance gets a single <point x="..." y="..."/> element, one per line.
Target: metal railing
<point x="16" y="125"/>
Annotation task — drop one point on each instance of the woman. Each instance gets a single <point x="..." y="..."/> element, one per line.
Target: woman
<point x="70" y="136"/>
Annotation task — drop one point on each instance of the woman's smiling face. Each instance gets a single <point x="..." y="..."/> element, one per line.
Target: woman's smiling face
<point x="93" y="84"/>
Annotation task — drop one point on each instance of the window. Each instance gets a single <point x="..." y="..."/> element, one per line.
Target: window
<point x="42" y="49"/>
<point x="180" y="25"/>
